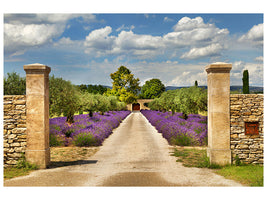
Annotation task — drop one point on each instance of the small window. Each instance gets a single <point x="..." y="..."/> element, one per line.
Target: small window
<point x="251" y="128"/>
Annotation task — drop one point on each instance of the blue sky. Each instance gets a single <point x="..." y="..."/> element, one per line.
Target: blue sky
<point x="86" y="48"/>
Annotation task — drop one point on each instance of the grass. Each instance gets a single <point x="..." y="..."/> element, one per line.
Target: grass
<point x="249" y="175"/>
<point x="22" y="168"/>
<point x="60" y="156"/>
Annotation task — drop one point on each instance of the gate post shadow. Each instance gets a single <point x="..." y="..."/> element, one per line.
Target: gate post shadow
<point x="37" y="114"/>
<point x="218" y="149"/>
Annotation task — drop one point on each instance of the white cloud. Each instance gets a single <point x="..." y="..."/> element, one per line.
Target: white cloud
<point x="24" y="31"/>
<point x="254" y="35"/>
<point x="203" y="40"/>
<point x="255" y="73"/>
<point x="188" y="78"/>
<point x="210" y="50"/>
<point x="45" y="18"/>
<point x="123" y="27"/>
<point x="187" y="23"/>
<point x="260" y="58"/>
<point x="167" y="19"/>
<point x="103" y="43"/>
<point x="20" y="37"/>
<point x="99" y="41"/>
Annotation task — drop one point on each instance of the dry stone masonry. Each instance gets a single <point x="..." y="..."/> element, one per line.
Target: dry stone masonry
<point x="14" y="128"/>
<point x="246" y="112"/>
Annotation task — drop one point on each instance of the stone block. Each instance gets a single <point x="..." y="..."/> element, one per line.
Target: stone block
<point x="19" y="102"/>
<point x="15" y="144"/>
<point x="20" y="107"/>
<point x="19" y="130"/>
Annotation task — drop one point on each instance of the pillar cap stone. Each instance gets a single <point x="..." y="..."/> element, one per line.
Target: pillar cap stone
<point x="36" y="67"/>
<point x="219" y="67"/>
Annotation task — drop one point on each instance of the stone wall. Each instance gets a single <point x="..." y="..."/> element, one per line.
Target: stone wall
<point x="14" y="128"/>
<point x="247" y="109"/>
<point x="142" y="104"/>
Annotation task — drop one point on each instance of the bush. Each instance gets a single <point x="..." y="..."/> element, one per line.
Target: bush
<point x="84" y="139"/>
<point x="23" y="164"/>
<point x="56" y="140"/>
<point x="186" y="100"/>
<point x="14" y="84"/>
<point x="182" y="140"/>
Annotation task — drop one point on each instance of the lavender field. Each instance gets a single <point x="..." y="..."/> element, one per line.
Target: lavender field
<point x="178" y="131"/>
<point x="85" y="131"/>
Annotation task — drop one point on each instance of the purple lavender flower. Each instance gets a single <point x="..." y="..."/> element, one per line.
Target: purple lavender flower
<point x="86" y="131"/>
<point x="176" y="130"/>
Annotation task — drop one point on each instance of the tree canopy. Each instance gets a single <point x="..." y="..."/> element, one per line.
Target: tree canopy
<point x="124" y="85"/>
<point x="63" y="98"/>
<point x="152" y="89"/>
<point x="185" y="100"/>
<point x="94" y="89"/>
<point x="14" y="84"/>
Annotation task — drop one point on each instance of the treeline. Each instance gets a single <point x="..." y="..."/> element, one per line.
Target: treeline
<point x="190" y="100"/>
<point x="65" y="98"/>
<point x="95" y="89"/>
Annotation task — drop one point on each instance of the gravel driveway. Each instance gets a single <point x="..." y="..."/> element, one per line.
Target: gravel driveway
<point x="134" y="155"/>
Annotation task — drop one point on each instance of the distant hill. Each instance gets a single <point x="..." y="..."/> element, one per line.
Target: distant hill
<point x="252" y="89"/>
<point x="107" y="86"/>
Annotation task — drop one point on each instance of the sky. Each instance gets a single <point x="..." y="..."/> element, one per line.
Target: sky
<point x="86" y="48"/>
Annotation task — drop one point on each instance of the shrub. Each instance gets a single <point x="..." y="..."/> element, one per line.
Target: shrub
<point x="56" y="140"/>
<point x="84" y="139"/>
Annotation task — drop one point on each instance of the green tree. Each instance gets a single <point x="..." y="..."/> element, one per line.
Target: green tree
<point x="103" y="103"/>
<point x="196" y="83"/>
<point x="245" y="80"/>
<point x="14" y="84"/>
<point x="191" y="100"/>
<point x="166" y="101"/>
<point x="88" y="103"/>
<point x="152" y="89"/>
<point x="124" y="85"/>
<point x="63" y="98"/>
<point x="82" y="87"/>
<point x="186" y="100"/>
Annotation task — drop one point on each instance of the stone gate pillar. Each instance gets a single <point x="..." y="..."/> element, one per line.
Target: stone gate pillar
<point x="219" y="113"/>
<point x="37" y="114"/>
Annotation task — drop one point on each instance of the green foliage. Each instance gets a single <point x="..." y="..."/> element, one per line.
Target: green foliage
<point x="23" y="164"/>
<point x="87" y="103"/>
<point x="194" y="158"/>
<point x="94" y="89"/>
<point x="56" y="140"/>
<point x="186" y="100"/>
<point x="182" y="140"/>
<point x="96" y="102"/>
<point x="124" y="85"/>
<point x="84" y="139"/>
<point x="250" y="175"/>
<point x="14" y="84"/>
<point x="196" y="83"/>
<point x="63" y="98"/>
<point x="245" y="80"/>
<point x="103" y="103"/>
<point x="152" y="89"/>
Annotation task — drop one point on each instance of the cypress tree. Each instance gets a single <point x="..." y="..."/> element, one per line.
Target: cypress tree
<point x="196" y="84"/>
<point x="245" y="80"/>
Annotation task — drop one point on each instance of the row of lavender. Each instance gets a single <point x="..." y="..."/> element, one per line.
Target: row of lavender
<point x="86" y="130"/>
<point x="177" y="130"/>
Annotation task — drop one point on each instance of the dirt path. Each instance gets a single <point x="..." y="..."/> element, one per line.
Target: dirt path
<point x="134" y="155"/>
